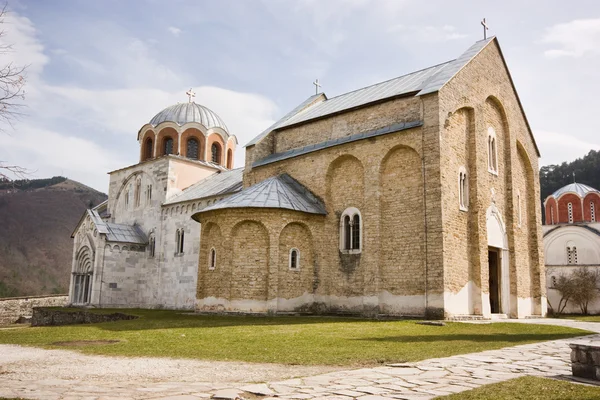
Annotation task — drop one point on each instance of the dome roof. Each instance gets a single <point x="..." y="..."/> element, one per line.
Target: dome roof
<point x="189" y="112"/>
<point x="577" y="188"/>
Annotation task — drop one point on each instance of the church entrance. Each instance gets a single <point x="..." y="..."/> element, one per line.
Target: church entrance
<point x="494" y="280"/>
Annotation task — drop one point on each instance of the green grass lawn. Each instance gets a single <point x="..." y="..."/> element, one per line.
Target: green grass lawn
<point x="288" y="340"/>
<point x="579" y="317"/>
<point x="529" y="388"/>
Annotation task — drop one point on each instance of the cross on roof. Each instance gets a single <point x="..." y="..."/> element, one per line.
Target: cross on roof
<point x="317" y="86"/>
<point x="190" y="94"/>
<point x="485" y="28"/>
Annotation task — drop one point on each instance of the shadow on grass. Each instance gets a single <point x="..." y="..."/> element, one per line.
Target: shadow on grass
<point x="497" y="337"/>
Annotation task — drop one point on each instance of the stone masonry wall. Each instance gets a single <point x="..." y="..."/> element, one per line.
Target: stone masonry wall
<point x="13" y="308"/>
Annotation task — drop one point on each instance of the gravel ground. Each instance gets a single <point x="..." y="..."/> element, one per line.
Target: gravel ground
<point x="30" y="363"/>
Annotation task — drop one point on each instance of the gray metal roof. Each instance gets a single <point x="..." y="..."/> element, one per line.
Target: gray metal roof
<point x="443" y="75"/>
<point x="282" y="120"/>
<point x="189" y="112"/>
<point x="281" y="191"/>
<point x="214" y="185"/>
<point x="578" y="188"/>
<point x="120" y="233"/>
<point x="405" y="84"/>
<point x="421" y="82"/>
<point x="335" y="142"/>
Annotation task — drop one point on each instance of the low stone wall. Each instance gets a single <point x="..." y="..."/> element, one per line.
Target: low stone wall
<point x="585" y="361"/>
<point x="52" y="317"/>
<point x="12" y="308"/>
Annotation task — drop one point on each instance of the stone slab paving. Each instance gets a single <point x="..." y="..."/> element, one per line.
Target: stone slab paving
<point x="410" y="381"/>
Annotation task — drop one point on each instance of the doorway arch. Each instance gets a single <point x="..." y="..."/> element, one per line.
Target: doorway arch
<point x="497" y="300"/>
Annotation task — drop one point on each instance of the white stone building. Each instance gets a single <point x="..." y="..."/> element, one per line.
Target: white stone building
<point x="571" y="237"/>
<point x="140" y="247"/>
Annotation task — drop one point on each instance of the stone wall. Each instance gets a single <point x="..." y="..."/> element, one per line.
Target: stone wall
<point x="13" y="308"/>
<point x="585" y="361"/>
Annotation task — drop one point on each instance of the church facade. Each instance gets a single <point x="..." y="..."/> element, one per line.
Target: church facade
<point x="571" y="238"/>
<point x="415" y="196"/>
<point x="140" y="247"/>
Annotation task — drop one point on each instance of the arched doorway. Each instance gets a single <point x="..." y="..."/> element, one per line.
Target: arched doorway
<point x="498" y="274"/>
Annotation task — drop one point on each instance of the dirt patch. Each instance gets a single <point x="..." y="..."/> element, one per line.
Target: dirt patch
<point x="79" y="343"/>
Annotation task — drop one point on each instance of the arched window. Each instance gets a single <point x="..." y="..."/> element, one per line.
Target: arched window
<point x="294" y="262"/>
<point x="519" y="218"/>
<point x="192" y="148"/>
<point x="152" y="246"/>
<point x="592" y="211"/>
<point x="215" y="151"/>
<point x="148" y="149"/>
<point x="570" y="208"/>
<point x="492" y="151"/>
<point x="463" y="193"/>
<point x="148" y="194"/>
<point x="168" y="146"/>
<point x="571" y="254"/>
<point x="212" y="260"/>
<point x="350" y="231"/>
<point x="138" y="190"/>
<point x="179" y="241"/>
<point x="229" y="159"/>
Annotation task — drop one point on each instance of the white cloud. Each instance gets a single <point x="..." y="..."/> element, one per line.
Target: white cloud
<point x="573" y="39"/>
<point x="84" y="133"/>
<point x="428" y="34"/>
<point x="558" y="147"/>
<point x="175" y="31"/>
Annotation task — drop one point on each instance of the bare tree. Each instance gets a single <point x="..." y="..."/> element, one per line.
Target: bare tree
<point x="586" y="280"/>
<point x="12" y="92"/>
<point x="567" y="288"/>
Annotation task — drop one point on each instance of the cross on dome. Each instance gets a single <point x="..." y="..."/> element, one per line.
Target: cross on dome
<point x="485" y="29"/>
<point x="317" y="86"/>
<point x="190" y="94"/>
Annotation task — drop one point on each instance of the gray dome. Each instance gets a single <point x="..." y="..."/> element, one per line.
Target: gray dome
<point x="578" y="188"/>
<point x="189" y="112"/>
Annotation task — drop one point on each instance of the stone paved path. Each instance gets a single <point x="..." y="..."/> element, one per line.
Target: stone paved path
<point x="421" y="380"/>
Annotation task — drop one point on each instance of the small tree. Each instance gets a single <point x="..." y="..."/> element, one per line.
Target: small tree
<point x="586" y="281"/>
<point x="567" y="288"/>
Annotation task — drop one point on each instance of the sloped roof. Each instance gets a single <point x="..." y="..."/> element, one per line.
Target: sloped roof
<point x="280" y="191"/>
<point x="271" y="158"/>
<point x="120" y="233"/>
<point x="287" y="116"/>
<point x="213" y="185"/>
<point x="578" y="188"/>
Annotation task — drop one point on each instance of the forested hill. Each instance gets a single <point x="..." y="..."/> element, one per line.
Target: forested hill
<point x="586" y="169"/>
<point x="37" y="217"/>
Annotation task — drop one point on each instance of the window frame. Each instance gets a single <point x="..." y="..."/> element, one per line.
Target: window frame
<point x="216" y="145"/>
<point x="570" y="212"/>
<point x="463" y="189"/>
<point x="592" y="211"/>
<point x="351" y="212"/>
<point x="297" y="267"/>
<point x="492" y="151"/>
<point x="212" y="259"/>
<point x="187" y="148"/>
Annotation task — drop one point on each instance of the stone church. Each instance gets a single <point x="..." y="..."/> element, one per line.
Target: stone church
<point x="414" y="196"/>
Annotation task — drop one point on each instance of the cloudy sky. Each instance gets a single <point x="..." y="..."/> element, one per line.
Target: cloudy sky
<point x="99" y="70"/>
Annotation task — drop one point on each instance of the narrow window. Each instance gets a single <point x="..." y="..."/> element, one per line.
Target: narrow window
<point x="181" y="242"/>
<point x="492" y="151"/>
<point x="551" y="215"/>
<point x="148" y="193"/>
<point x="212" y="262"/>
<point x="463" y="194"/>
<point x="519" y="208"/>
<point x="127" y="199"/>
<point x="192" y="148"/>
<point x="215" y="150"/>
<point x="229" y="159"/>
<point x="553" y="281"/>
<point x="152" y="246"/>
<point x="356" y="232"/>
<point x="294" y="259"/>
<point x="148" y="150"/>
<point x="592" y="211"/>
<point x="138" y="189"/>
<point x="347" y="233"/>
<point x="570" y="207"/>
<point x="574" y="255"/>
<point x="177" y="241"/>
<point x="168" y="146"/>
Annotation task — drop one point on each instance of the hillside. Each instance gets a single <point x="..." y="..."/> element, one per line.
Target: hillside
<point x="37" y="218"/>
<point x="586" y="170"/>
